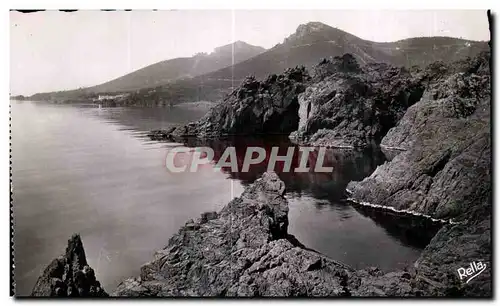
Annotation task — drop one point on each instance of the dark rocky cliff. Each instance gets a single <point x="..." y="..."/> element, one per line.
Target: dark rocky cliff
<point x="444" y="147"/>
<point x="256" y="107"/>
<point x="441" y="167"/>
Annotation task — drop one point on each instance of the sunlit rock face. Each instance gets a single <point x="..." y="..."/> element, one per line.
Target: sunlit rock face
<point x="352" y="106"/>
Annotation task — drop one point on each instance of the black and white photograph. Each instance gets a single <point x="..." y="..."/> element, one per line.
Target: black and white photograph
<point x="265" y="153"/>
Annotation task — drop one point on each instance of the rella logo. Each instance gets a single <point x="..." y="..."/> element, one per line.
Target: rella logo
<point x="469" y="273"/>
<point x="296" y="159"/>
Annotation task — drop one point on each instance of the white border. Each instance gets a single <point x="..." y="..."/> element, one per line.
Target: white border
<point x="254" y="4"/>
<point x="189" y="4"/>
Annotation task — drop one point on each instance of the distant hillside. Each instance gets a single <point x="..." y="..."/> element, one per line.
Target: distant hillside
<point x="310" y="43"/>
<point x="307" y="46"/>
<point x="163" y="72"/>
<point x="188" y="67"/>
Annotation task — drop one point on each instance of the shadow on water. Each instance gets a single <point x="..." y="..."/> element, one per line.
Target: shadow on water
<point x="411" y="230"/>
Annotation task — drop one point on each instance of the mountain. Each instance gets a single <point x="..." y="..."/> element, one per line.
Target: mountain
<point x="307" y="46"/>
<point x="177" y="68"/>
<point x="315" y="40"/>
<point x="165" y="71"/>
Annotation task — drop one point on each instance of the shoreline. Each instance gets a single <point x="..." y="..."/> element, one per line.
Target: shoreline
<point x="263" y="208"/>
<point x="442" y="119"/>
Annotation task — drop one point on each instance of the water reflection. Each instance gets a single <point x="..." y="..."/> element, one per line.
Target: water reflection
<point x="416" y="232"/>
<point x="348" y="165"/>
<point x="320" y="217"/>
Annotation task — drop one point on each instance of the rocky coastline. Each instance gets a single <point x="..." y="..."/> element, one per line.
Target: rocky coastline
<point x="434" y="126"/>
<point x="243" y="250"/>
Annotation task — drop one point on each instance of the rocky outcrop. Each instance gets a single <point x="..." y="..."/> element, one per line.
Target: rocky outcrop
<point x="241" y="251"/>
<point x="69" y="275"/>
<point x="444" y="145"/>
<point x="442" y="168"/>
<point x="456" y="246"/>
<point x="255" y="107"/>
<point x="245" y="250"/>
<point x="340" y="104"/>
<point x="353" y="106"/>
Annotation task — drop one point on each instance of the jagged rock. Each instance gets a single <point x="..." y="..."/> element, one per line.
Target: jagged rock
<point x="350" y="106"/>
<point x="69" y="275"/>
<point x="241" y="251"/>
<point x="340" y="104"/>
<point x="257" y="107"/>
<point x="245" y="251"/>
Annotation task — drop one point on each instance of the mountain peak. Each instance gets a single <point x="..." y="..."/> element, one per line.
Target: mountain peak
<point x="310" y="28"/>
<point x="306" y="30"/>
<point x="238" y="45"/>
<point x="313" y="26"/>
<point x="316" y="32"/>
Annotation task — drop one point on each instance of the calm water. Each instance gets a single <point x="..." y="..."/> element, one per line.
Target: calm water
<point x="93" y="171"/>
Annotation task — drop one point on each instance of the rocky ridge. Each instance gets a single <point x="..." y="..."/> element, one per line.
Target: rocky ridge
<point x="241" y="251"/>
<point x="443" y="142"/>
<point x="338" y="103"/>
<point x="255" y="107"/>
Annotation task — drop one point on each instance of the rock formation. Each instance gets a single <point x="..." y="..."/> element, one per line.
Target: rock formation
<point x="69" y="275"/>
<point x="444" y="146"/>
<point x="442" y="168"/>
<point x="433" y="123"/>
<point x="241" y="251"/>
<point x="350" y="106"/>
<point x="245" y="250"/>
<point x="340" y="104"/>
<point x="255" y="107"/>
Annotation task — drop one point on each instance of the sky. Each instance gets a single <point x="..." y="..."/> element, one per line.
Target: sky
<point x="54" y="50"/>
